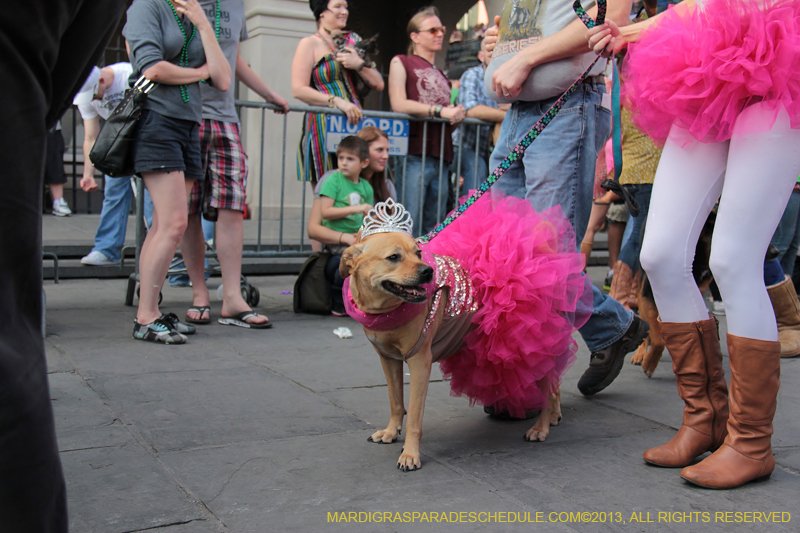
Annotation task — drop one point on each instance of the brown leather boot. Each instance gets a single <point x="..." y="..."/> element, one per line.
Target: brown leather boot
<point x="787" y="313"/>
<point x="697" y="362"/>
<point x="633" y="297"/>
<point x="621" y="284"/>
<point x="746" y="454"/>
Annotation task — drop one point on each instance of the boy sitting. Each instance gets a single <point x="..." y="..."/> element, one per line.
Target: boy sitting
<point x="345" y="199"/>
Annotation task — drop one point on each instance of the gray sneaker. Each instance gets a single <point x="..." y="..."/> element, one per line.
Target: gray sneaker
<point x="159" y="330"/>
<point x="177" y="325"/>
<point x="96" y="258"/>
<point x="60" y="208"/>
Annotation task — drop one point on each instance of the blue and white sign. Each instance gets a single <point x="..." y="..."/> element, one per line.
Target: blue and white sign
<point x="339" y="128"/>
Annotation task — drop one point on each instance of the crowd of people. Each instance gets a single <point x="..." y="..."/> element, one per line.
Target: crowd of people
<point x="512" y="87"/>
<point x="326" y="70"/>
<point x="728" y="145"/>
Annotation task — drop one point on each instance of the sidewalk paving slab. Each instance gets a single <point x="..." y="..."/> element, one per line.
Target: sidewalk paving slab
<point x="266" y="430"/>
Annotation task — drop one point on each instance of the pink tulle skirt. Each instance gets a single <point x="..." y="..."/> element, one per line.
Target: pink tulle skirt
<point x="533" y="294"/>
<point x="700" y="70"/>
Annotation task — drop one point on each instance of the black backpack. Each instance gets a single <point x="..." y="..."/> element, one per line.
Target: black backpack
<point x="312" y="290"/>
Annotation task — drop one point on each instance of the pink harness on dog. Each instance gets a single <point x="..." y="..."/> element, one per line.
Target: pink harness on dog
<point x="385" y="321"/>
<point x="461" y="305"/>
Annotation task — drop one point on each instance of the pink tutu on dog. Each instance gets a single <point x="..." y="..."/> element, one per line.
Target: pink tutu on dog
<point x="533" y="295"/>
<point x="700" y="70"/>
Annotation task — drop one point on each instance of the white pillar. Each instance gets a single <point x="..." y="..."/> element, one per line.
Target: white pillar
<point x="274" y="29"/>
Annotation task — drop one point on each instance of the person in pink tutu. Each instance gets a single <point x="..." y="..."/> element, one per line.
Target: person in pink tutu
<point x="717" y="82"/>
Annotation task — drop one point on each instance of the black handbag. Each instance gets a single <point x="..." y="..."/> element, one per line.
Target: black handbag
<point x="112" y="153"/>
<point x="312" y="290"/>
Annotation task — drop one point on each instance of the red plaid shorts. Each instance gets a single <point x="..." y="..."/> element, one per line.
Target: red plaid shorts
<point x="224" y="168"/>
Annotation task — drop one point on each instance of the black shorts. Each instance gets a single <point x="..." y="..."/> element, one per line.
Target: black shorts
<point x="54" y="159"/>
<point x="166" y="144"/>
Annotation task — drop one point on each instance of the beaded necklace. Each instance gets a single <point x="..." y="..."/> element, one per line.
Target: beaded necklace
<point x="183" y="60"/>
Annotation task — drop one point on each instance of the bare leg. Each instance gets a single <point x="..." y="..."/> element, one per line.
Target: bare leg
<point x="230" y="235"/>
<point x="169" y="223"/>
<point x="615" y="232"/>
<point x="193" y="248"/>
<point x="57" y="190"/>
<point x="596" y="218"/>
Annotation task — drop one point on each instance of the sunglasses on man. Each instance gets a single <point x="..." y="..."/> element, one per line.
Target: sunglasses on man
<point x="434" y="30"/>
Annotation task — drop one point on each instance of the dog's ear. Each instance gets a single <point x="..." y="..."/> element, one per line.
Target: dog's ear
<point x="348" y="256"/>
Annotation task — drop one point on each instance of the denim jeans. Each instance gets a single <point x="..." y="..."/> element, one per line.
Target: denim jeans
<point x="629" y="254"/>
<point x="473" y="175"/>
<point x="787" y="235"/>
<point x="558" y="169"/>
<point x="336" y="280"/>
<point x="416" y="183"/>
<point x="110" y="234"/>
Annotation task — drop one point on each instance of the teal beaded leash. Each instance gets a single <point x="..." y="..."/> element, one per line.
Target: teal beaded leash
<point x="183" y="60"/>
<point x="519" y="150"/>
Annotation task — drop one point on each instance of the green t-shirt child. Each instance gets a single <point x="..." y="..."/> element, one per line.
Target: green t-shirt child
<point x="345" y="193"/>
<point x="346" y="196"/>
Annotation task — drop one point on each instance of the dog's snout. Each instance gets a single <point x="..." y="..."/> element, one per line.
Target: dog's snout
<point x="425" y="273"/>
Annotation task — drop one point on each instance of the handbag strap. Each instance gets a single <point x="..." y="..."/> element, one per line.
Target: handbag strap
<point x="614" y="185"/>
<point x="144" y="85"/>
<point x="616" y="123"/>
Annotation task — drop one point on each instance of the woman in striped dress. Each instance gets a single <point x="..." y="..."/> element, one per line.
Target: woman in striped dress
<point x="324" y="75"/>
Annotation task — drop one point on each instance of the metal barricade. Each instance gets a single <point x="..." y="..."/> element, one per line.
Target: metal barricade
<point x="285" y="243"/>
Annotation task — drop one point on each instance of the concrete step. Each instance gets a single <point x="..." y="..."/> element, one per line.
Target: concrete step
<point x="73" y="269"/>
<point x="70" y="253"/>
<point x="598" y="258"/>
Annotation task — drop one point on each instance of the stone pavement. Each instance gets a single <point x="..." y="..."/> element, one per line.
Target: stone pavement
<point x="266" y="431"/>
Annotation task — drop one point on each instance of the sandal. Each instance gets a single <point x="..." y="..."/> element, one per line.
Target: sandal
<point x="201" y="310"/>
<point x="240" y="320"/>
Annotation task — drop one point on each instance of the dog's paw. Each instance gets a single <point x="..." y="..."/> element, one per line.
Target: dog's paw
<point x="636" y="358"/>
<point x="541" y="429"/>
<point x="555" y="418"/>
<point x="409" y="462"/>
<point x="536" y="434"/>
<point x="649" y="367"/>
<point x="650" y="362"/>
<point x="383" y="437"/>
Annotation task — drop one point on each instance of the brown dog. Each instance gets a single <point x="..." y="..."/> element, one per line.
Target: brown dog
<point x="386" y="270"/>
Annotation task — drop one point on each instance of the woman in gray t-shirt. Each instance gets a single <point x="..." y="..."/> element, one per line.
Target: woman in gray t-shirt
<point x="172" y="43"/>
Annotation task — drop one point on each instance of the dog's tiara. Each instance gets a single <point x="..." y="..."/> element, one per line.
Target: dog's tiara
<point x="386" y="217"/>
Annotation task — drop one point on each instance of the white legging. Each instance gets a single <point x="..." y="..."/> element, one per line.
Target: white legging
<point x="754" y="174"/>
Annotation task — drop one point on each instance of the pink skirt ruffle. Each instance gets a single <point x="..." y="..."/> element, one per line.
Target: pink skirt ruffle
<point x="529" y="281"/>
<point x="701" y="70"/>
